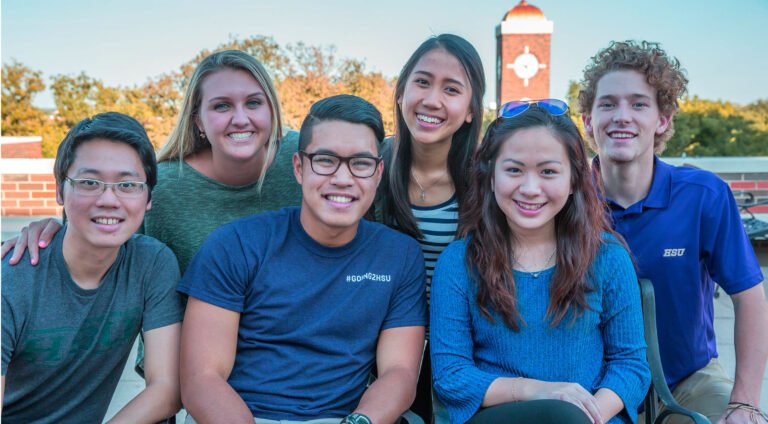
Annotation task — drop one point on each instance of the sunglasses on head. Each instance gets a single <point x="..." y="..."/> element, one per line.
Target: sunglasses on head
<point x="514" y="108"/>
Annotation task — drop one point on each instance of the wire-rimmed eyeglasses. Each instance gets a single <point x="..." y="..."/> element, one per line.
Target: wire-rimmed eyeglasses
<point x="327" y="164"/>
<point x="92" y="187"/>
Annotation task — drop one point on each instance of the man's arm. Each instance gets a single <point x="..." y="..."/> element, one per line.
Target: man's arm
<point x="208" y="348"/>
<point x="160" y="398"/>
<point x="398" y="356"/>
<point x="751" y="340"/>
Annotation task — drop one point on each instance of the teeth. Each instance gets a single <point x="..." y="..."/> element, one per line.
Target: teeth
<point x="106" y="221"/>
<point x="529" y="206"/>
<point x="621" y="135"/>
<point x="339" y="199"/>
<point x="240" y="136"/>
<point x="429" y="119"/>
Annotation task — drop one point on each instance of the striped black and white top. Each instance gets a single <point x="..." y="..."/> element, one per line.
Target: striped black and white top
<point x="438" y="225"/>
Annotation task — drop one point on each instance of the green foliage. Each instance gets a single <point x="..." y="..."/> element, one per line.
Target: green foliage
<point x="716" y="128"/>
<point x="573" y="105"/>
<point x="20" y="84"/>
<point x="303" y="74"/>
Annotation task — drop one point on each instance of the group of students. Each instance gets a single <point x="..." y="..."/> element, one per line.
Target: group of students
<point x="291" y="300"/>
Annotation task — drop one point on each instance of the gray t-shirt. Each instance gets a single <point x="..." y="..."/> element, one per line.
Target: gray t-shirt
<point x="64" y="347"/>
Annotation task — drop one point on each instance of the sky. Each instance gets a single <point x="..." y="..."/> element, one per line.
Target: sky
<point x="720" y="43"/>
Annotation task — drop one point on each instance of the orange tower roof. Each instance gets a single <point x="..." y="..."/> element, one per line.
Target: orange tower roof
<point x="524" y="10"/>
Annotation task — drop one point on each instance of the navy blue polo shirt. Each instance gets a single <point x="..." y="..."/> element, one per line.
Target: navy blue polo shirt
<point x="686" y="234"/>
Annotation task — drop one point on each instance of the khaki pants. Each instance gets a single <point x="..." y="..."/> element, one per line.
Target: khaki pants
<point x="707" y="391"/>
<point x="191" y="420"/>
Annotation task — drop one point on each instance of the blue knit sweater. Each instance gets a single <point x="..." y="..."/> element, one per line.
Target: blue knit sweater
<point x="604" y="347"/>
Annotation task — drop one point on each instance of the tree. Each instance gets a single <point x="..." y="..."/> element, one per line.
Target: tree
<point x="572" y="98"/>
<point x="372" y="86"/>
<point x="716" y="128"/>
<point x="20" y="84"/>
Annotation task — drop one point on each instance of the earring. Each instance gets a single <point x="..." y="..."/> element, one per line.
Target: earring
<point x="202" y="135"/>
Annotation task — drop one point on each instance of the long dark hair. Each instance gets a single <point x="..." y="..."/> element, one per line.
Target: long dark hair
<point x="396" y="208"/>
<point x="579" y="226"/>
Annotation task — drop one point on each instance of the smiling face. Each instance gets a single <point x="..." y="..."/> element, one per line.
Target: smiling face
<point x="436" y="98"/>
<point x="105" y="220"/>
<point x="333" y="205"/>
<point x="625" y="118"/>
<point x="235" y="116"/>
<point x="532" y="181"/>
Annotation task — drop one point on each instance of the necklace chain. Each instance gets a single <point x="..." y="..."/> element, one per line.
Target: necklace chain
<point x="423" y="194"/>
<point x="536" y="273"/>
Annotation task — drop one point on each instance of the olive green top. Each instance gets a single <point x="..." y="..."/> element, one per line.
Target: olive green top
<point x="187" y="206"/>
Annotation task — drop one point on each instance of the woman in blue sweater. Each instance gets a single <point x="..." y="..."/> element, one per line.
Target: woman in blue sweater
<point x="536" y="313"/>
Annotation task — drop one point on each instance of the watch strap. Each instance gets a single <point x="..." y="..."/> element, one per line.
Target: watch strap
<point x="356" y="418"/>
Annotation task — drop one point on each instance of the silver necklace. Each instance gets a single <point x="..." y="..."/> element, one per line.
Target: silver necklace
<point x="423" y="194"/>
<point x="536" y="273"/>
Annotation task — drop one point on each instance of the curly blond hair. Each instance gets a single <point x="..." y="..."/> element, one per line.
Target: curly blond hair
<point x="662" y="72"/>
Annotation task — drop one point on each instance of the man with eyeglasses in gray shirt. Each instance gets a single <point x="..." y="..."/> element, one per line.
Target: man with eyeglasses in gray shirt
<point x="69" y="323"/>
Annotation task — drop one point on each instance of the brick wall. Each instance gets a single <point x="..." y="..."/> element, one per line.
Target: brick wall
<point x="28" y="188"/>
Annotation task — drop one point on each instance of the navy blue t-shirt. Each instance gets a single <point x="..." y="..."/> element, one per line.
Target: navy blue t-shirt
<point x="687" y="235"/>
<point x="310" y="315"/>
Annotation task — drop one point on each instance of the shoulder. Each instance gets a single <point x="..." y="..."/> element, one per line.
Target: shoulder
<point x="384" y="234"/>
<point x="146" y="249"/>
<point x="168" y="169"/>
<point x="255" y="226"/>
<point x="612" y="248"/>
<point x="19" y="280"/>
<point x="387" y="145"/>
<point x="685" y="177"/>
<point x="289" y="144"/>
<point x="613" y="262"/>
<point x="453" y="255"/>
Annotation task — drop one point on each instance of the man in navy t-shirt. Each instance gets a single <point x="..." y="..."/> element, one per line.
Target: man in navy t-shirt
<point x="682" y="225"/>
<point x="289" y="310"/>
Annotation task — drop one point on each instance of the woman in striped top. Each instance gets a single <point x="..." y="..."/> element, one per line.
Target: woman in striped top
<point x="439" y="114"/>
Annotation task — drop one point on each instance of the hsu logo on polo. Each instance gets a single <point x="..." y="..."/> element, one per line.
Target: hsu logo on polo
<point x="673" y="253"/>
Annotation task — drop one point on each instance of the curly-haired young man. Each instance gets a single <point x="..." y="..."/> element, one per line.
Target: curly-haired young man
<point x="682" y="225"/>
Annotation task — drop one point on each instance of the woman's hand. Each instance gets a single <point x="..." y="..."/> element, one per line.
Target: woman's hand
<point x="37" y="235"/>
<point x="569" y="392"/>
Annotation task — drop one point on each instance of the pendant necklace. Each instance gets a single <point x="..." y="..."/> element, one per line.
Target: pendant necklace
<point x="536" y="274"/>
<point x="423" y="191"/>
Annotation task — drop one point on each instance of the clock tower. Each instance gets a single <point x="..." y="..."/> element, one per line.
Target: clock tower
<point x="522" y="54"/>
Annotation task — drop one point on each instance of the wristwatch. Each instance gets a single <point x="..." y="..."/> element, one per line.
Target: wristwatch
<point x="356" y="418"/>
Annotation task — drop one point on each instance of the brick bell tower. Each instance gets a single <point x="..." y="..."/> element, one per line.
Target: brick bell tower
<point x="522" y="54"/>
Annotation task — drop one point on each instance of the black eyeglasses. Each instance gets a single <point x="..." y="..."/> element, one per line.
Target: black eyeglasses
<point x="327" y="164"/>
<point x="514" y="108"/>
<point x="91" y="187"/>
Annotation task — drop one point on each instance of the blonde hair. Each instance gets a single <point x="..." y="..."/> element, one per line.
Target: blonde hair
<point x="185" y="139"/>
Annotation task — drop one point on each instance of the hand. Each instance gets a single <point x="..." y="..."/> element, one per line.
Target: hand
<point x="742" y="416"/>
<point x="568" y="392"/>
<point x="37" y="235"/>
